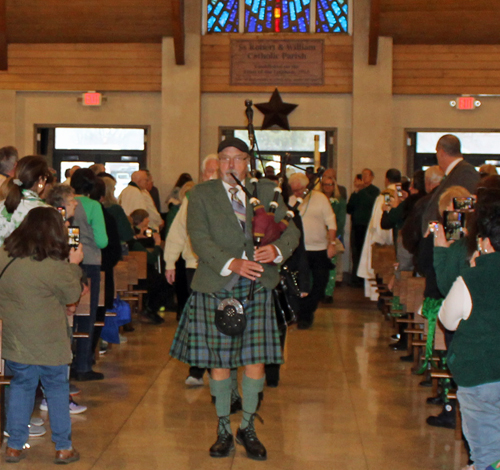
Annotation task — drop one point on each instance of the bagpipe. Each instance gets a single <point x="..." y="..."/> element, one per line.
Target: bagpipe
<point x="230" y="316"/>
<point x="265" y="229"/>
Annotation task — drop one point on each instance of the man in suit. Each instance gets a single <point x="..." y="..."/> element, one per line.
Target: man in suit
<point x="220" y="228"/>
<point x="457" y="172"/>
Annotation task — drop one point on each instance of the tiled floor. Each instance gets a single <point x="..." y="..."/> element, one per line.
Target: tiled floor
<point x="345" y="402"/>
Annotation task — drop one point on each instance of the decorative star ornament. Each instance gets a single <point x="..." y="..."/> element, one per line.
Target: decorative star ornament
<point x="276" y="112"/>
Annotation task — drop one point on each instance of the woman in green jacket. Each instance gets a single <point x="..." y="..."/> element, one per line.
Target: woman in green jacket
<point x="36" y="284"/>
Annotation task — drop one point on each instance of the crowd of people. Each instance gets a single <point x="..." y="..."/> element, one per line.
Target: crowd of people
<point x="239" y="274"/>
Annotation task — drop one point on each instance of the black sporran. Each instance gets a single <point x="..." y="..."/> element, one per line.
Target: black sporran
<point x="286" y="299"/>
<point x="230" y="318"/>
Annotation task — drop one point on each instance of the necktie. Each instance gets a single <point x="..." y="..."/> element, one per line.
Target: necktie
<point x="238" y="207"/>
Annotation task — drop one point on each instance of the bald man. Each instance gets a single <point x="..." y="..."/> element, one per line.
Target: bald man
<point x="136" y="196"/>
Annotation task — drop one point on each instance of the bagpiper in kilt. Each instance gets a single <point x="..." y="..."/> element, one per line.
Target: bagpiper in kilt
<point x="221" y="235"/>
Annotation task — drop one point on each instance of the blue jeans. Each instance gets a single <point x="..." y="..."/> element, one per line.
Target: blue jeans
<point x="85" y="324"/>
<point x="480" y="407"/>
<point x="22" y="399"/>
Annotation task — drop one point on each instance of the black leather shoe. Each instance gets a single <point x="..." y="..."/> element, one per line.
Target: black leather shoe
<point x="89" y="375"/>
<point x="442" y="421"/>
<point x="249" y="440"/>
<point x="223" y="446"/>
<point x="408" y="358"/>
<point x="399" y="346"/>
<point x="434" y="401"/>
<point x="225" y="441"/>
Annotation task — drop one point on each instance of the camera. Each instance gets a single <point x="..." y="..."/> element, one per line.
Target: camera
<point x="463" y="203"/>
<point x="73" y="236"/>
<point x="148" y="233"/>
<point x="454" y="223"/>
<point x="62" y="211"/>
<point x="359" y="176"/>
<point x="399" y="190"/>
<point x="387" y="198"/>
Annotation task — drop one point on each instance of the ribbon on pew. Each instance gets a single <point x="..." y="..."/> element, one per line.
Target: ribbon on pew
<point x="430" y="310"/>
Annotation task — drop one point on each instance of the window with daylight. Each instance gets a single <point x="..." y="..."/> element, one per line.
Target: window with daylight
<point x="222" y="16"/>
<point x="331" y="16"/>
<point x="275" y="16"/>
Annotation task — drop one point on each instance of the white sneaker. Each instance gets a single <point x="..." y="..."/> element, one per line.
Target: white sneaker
<point x="35" y="431"/>
<point x="75" y="408"/>
<point x="194" y="382"/>
<point x="37" y="421"/>
<point x="43" y="405"/>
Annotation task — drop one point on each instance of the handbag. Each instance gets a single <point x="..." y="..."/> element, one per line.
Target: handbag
<point x="285" y="296"/>
<point x="230" y="318"/>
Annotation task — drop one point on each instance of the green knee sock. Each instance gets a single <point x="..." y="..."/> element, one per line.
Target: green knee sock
<point x="221" y="390"/>
<point x="235" y="393"/>
<point x="251" y="389"/>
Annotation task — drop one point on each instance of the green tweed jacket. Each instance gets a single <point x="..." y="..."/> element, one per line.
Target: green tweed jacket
<point x="216" y="234"/>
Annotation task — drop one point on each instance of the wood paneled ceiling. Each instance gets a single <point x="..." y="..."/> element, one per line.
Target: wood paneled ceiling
<point x="91" y="21"/>
<point x="440" y="21"/>
<point x="436" y="22"/>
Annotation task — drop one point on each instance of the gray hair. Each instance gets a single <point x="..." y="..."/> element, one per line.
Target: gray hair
<point x="59" y="194"/>
<point x="209" y="157"/>
<point x="434" y="175"/>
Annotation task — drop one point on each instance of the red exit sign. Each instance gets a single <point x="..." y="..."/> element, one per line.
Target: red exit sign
<point x="466" y="102"/>
<point x="92" y="99"/>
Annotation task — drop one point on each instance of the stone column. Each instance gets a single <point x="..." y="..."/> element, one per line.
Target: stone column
<point x="371" y="101"/>
<point x="181" y="104"/>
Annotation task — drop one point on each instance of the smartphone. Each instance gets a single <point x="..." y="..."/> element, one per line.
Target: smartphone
<point x="387" y="198"/>
<point x="148" y="233"/>
<point x="73" y="236"/>
<point x="433" y="226"/>
<point x="399" y="189"/>
<point x="62" y="211"/>
<point x="463" y="203"/>
<point x="454" y="223"/>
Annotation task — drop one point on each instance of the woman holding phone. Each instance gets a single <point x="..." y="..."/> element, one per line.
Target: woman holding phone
<point x="36" y="284"/>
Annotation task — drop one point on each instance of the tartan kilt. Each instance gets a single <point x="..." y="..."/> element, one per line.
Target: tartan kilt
<point x="198" y="342"/>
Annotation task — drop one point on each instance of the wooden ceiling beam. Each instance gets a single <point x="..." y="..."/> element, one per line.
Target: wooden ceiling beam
<point x="374" y="32"/>
<point x="178" y="30"/>
<point x="3" y="35"/>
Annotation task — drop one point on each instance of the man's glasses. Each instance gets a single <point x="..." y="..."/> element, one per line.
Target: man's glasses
<point x="235" y="159"/>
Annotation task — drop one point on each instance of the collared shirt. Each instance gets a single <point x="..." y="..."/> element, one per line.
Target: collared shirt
<point x="452" y="165"/>
<point x="225" y="271"/>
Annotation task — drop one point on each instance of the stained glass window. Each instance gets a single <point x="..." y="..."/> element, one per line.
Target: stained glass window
<point x="331" y="16"/>
<point x="222" y="16"/>
<point x="274" y="16"/>
<point x="277" y="16"/>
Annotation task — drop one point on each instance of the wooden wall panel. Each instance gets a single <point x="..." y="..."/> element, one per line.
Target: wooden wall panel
<point x="440" y="21"/>
<point x="446" y="69"/>
<point x="93" y="21"/>
<point x="215" y="64"/>
<point x="83" y="67"/>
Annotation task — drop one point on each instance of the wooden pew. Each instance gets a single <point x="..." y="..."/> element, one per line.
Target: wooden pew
<point x="3" y="382"/>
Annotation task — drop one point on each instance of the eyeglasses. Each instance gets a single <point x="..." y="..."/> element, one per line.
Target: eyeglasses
<point x="235" y="159"/>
